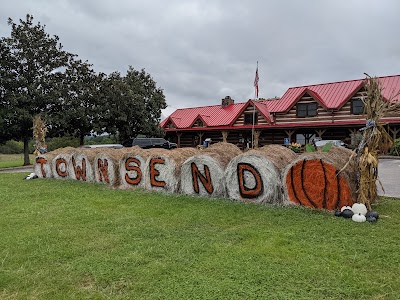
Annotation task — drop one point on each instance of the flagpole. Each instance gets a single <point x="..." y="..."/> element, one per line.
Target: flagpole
<point x="254" y="107"/>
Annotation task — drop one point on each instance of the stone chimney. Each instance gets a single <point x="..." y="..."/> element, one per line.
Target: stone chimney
<point x="227" y="101"/>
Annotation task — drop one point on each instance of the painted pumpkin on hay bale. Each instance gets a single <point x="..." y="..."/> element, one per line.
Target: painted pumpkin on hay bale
<point x="203" y="174"/>
<point x="313" y="180"/>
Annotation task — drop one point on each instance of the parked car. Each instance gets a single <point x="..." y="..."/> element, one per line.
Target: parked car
<point x="114" y="146"/>
<point x="147" y="143"/>
<point x="338" y="143"/>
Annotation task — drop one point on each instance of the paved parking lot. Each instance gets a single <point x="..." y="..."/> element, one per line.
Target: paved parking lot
<point x="389" y="174"/>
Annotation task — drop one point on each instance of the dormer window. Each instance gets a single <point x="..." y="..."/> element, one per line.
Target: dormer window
<point x="248" y="119"/>
<point x="306" y="110"/>
<point x="357" y="106"/>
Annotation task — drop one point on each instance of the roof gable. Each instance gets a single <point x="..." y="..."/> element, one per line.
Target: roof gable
<point x="166" y="122"/>
<point x="200" y="119"/>
<point x="215" y="115"/>
<point x="259" y="106"/>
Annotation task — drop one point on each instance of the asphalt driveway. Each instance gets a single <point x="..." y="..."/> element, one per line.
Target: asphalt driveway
<point x="389" y="174"/>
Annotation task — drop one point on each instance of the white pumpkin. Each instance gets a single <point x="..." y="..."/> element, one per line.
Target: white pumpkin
<point x="359" y="218"/>
<point x="345" y="207"/>
<point x="359" y="208"/>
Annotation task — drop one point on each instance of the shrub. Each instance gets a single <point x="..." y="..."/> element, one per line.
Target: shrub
<point x="61" y="142"/>
<point x="12" y="147"/>
<point x="395" y="150"/>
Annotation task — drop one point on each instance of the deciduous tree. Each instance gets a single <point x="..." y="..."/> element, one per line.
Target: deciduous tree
<point x="31" y="66"/>
<point x="132" y="104"/>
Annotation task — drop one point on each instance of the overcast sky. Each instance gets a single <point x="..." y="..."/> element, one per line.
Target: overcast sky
<point x="202" y="51"/>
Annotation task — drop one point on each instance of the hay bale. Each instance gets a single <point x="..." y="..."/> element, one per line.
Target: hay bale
<point x="42" y="165"/>
<point x="203" y="174"/>
<point x="60" y="165"/>
<point x="163" y="168"/>
<point x="254" y="177"/>
<point x="313" y="180"/>
<point x="106" y="166"/>
<point x="131" y="167"/>
<point x="81" y="165"/>
<point x="279" y="155"/>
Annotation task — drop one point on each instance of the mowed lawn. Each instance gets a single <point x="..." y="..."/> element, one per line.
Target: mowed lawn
<point x="13" y="160"/>
<point x="62" y="239"/>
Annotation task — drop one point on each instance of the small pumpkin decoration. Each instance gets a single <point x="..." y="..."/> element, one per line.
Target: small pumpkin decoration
<point x="371" y="219"/>
<point x="345" y="207"/>
<point x="372" y="213"/>
<point x="359" y="208"/>
<point x="338" y="213"/>
<point x="359" y="218"/>
<point x="347" y="213"/>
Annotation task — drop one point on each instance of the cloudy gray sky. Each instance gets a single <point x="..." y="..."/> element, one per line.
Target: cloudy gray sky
<point x="201" y="51"/>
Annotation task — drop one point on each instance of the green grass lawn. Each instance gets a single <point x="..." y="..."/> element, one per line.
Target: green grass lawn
<point x="72" y="240"/>
<point x="13" y="160"/>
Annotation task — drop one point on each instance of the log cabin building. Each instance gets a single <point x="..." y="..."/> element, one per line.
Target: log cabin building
<point x="331" y="111"/>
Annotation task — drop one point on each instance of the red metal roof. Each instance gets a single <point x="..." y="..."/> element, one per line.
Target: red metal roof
<point x="330" y="95"/>
<point x="215" y="115"/>
<point x="333" y="95"/>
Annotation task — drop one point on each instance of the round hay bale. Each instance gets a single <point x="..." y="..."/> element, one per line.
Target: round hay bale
<point x="62" y="150"/>
<point x="81" y="165"/>
<point x="106" y="166"/>
<point x="313" y="180"/>
<point x="279" y="155"/>
<point x="203" y="174"/>
<point x="253" y="177"/>
<point x="60" y="164"/>
<point x="42" y="165"/>
<point x="163" y="168"/>
<point x="131" y="167"/>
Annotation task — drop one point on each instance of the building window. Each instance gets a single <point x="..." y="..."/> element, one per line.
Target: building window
<point x="248" y="119"/>
<point x="306" y="110"/>
<point x="357" y="107"/>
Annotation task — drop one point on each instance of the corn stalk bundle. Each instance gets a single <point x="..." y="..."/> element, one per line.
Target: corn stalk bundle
<point x="39" y="134"/>
<point x="374" y="137"/>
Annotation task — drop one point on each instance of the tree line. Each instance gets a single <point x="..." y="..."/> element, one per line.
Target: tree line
<point x="38" y="77"/>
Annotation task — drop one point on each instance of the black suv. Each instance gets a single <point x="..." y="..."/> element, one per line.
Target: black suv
<point x="147" y="143"/>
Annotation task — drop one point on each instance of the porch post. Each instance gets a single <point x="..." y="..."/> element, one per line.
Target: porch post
<point x="225" y="136"/>
<point x="200" y="134"/>
<point x="289" y="134"/>
<point x="179" y="139"/>
<point x="320" y="132"/>
<point x="256" y="138"/>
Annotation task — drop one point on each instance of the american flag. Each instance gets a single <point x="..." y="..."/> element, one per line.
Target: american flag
<point x="256" y="82"/>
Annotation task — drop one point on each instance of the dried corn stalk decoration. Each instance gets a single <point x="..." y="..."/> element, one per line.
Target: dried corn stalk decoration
<point x="39" y="134"/>
<point x="374" y="137"/>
